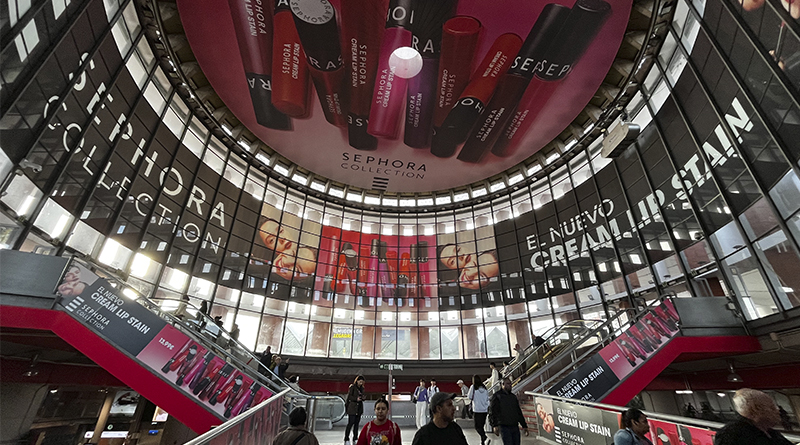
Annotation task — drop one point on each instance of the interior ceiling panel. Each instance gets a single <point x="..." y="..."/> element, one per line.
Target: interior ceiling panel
<point x="333" y="88"/>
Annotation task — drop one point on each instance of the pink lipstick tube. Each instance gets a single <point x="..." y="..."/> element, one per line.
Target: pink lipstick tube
<point x="459" y="41"/>
<point x="362" y="28"/>
<point x="388" y="95"/>
<point x="315" y="21"/>
<point x="289" y="68"/>
<point x="253" y="28"/>
<point x="582" y="26"/>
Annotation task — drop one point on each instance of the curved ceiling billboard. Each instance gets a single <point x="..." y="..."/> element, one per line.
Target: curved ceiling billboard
<point x="405" y="95"/>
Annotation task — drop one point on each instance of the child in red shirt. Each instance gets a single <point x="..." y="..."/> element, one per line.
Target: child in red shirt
<point x="380" y="431"/>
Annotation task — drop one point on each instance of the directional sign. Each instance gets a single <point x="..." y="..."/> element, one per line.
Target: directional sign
<point x="391" y="367"/>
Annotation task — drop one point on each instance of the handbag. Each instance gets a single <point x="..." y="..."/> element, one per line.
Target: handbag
<point x="414" y="397"/>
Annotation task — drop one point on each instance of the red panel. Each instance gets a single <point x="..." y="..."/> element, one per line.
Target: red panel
<point x="121" y="366"/>
<point x="650" y="369"/>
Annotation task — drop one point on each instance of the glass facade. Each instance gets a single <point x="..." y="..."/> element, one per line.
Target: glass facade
<point x="102" y="158"/>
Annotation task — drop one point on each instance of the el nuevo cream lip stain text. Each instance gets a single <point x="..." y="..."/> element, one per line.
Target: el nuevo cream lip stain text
<point x="315" y="21"/>
<point x="582" y="26"/>
<point x="362" y="27"/>
<point x="467" y="110"/>
<point x="253" y="27"/>
<point x="388" y="95"/>
<point x="513" y="84"/>
<point x="289" y="68"/>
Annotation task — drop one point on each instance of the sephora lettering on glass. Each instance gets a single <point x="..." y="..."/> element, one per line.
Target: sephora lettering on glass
<point x="459" y="41"/>
<point x="289" y="68"/>
<point x="389" y="92"/>
<point x="315" y="21"/>
<point x="362" y="27"/>
<point x="582" y="26"/>
<point x="467" y="110"/>
<point x="253" y="27"/>
<point x="513" y="84"/>
<point x="421" y="97"/>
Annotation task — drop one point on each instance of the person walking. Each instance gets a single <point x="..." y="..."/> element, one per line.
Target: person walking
<point x="421" y="398"/>
<point x="296" y="434"/>
<point x="634" y="427"/>
<point x="480" y="406"/>
<point x="495" y="375"/>
<point x="466" y="412"/>
<point x="442" y="429"/>
<point x="354" y="408"/>
<point x="380" y="430"/>
<point x="505" y="414"/>
<point x="758" y="415"/>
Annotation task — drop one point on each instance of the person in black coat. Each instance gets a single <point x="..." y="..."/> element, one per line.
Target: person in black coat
<point x="354" y="404"/>
<point x="758" y="416"/>
<point x="505" y="414"/>
<point x="265" y="360"/>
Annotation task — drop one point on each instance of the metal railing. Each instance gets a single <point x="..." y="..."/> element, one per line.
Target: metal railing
<point x="565" y="350"/>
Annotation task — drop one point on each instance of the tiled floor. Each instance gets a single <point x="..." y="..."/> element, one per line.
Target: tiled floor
<point x="336" y="436"/>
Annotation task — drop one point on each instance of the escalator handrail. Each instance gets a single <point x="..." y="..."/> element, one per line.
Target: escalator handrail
<point x="269" y="379"/>
<point x="612" y="334"/>
<point x="531" y="349"/>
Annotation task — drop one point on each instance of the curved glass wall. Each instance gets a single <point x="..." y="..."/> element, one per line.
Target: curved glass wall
<point x="103" y="159"/>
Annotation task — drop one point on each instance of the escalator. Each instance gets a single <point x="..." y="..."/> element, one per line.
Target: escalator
<point x="612" y="361"/>
<point x="166" y="350"/>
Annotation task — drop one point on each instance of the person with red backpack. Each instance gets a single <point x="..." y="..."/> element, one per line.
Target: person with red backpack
<point x="380" y="430"/>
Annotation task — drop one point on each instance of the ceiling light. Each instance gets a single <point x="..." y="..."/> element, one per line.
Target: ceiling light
<point x="733" y="377"/>
<point x="406" y="62"/>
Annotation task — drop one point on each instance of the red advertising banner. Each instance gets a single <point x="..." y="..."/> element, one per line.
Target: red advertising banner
<point x="259" y="427"/>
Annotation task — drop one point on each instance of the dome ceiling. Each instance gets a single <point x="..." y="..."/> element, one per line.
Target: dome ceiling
<point x="320" y="83"/>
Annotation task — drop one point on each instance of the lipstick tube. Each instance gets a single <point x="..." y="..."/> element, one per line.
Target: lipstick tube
<point x="413" y="277"/>
<point x="315" y="21"/>
<point x="166" y="368"/>
<point x="245" y="400"/>
<point x="512" y="85"/>
<point x="209" y="376"/>
<point x="391" y="263"/>
<point x="467" y="110"/>
<point x="423" y="269"/>
<point x="362" y="27"/>
<point x="459" y="42"/>
<point x="403" y="275"/>
<point x="374" y="262"/>
<point x="253" y="27"/>
<point x="328" y="258"/>
<point x="388" y="94"/>
<point x="289" y="68"/>
<point x="218" y="382"/>
<point x="187" y="364"/>
<point x="340" y="281"/>
<point x="421" y="96"/>
<point x="581" y="27"/>
<point x="194" y="375"/>
<point x="383" y="272"/>
<point x="363" y="272"/>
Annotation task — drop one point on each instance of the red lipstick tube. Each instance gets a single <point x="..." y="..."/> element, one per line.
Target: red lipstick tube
<point x="467" y="110"/>
<point x="362" y="28"/>
<point x="513" y="84"/>
<point x="328" y="260"/>
<point x="372" y="276"/>
<point x="289" y="68"/>
<point x="459" y="40"/>
<point x="388" y="95"/>
<point x="315" y="21"/>
<point x="253" y="27"/>
<point x="584" y="22"/>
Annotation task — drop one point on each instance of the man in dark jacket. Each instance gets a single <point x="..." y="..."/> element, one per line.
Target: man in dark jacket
<point x="442" y="429"/>
<point x="505" y="414"/>
<point x="759" y="415"/>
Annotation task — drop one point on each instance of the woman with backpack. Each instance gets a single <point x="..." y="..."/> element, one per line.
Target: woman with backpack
<point x="354" y="405"/>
